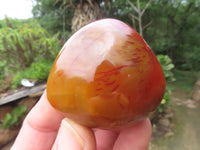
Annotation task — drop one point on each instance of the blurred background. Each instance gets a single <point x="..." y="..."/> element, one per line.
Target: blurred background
<point x="32" y="33"/>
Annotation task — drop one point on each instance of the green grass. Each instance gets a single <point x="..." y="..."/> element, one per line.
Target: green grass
<point x="3" y="85"/>
<point x="185" y="80"/>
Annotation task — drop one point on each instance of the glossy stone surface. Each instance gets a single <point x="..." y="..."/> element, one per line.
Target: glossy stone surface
<point x="106" y="76"/>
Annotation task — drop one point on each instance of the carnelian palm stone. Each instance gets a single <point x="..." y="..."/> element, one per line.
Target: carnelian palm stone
<point x="106" y="76"/>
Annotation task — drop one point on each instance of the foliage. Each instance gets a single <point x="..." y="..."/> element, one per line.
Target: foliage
<point x="185" y="80"/>
<point x="170" y="27"/>
<point x="13" y="23"/>
<point x="53" y="17"/>
<point x="175" y="31"/>
<point x="2" y="69"/>
<point x="140" y="12"/>
<point x="119" y="9"/>
<point x="26" y="43"/>
<point x="38" y="70"/>
<point x="14" y="118"/>
<point x="166" y="101"/>
<point x="167" y="67"/>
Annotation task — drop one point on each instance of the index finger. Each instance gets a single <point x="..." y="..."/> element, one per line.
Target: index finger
<point x="39" y="128"/>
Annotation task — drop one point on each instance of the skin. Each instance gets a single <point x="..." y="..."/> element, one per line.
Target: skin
<point x="44" y="128"/>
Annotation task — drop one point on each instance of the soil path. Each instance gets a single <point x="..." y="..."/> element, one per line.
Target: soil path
<point x="187" y="125"/>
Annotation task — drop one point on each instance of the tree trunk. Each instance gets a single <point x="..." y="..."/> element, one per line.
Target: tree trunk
<point x="139" y="13"/>
<point x="85" y="12"/>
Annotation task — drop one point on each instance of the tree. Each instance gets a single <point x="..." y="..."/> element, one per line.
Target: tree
<point x="68" y="15"/>
<point x="173" y="25"/>
<point x="53" y="18"/>
<point x="140" y="12"/>
<point x="85" y="11"/>
<point x="174" y="31"/>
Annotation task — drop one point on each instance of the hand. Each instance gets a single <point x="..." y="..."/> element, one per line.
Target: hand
<point x="44" y="129"/>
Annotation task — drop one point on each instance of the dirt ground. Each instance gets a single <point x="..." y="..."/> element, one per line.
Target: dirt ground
<point x="187" y="125"/>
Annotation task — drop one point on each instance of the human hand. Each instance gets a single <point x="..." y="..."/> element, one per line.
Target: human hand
<point x="44" y="128"/>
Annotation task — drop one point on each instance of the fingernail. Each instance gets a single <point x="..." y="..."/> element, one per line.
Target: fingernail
<point x="75" y="138"/>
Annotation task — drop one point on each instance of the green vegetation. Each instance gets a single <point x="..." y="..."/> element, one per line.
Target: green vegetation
<point x="2" y="69"/>
<point x="174" y="31"/>
<point x="27" y="51"/>
<point x="170" y="27"/>
<point x="37" y="71"/>
<point x="25" y="44"/>
<point x="185" y="80"/>
<point x="14" y="118"/>
<point x="53" y="18"/>
<point x="167" y="67"/>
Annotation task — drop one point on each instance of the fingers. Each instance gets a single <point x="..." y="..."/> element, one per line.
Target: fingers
<point x="40" y="127"/>
<point x="72" y="136"/>
<point x="42" y="124"/>
<point x="43" y="116"/>
<point x="136" y="137"/>
<point x="105" y="139"/>
<point x="41" y="130"/>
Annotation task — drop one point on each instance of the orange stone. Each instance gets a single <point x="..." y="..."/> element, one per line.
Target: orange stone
<point x="106" y="76"/>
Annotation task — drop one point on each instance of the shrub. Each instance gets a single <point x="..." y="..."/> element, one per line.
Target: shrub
<point x="25" y="44"/>
<point x="167" y="67"/>
<point x="14" y="118"/>
<point x="38" y="70"/>
<point x="2" y="69"/>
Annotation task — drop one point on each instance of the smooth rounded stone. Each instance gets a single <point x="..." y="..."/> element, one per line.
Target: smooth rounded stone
<point x="165" y="122"/>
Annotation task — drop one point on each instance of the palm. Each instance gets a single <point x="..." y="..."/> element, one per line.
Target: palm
<point x="85" y="11"/>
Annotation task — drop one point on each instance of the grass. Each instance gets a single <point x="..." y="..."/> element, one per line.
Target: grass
<point x="5" y="84"/>
<point x="185" y="80"/>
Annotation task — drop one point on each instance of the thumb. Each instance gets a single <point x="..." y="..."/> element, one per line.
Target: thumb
<point x="73" y="136"/>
